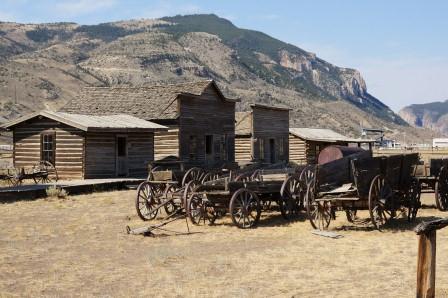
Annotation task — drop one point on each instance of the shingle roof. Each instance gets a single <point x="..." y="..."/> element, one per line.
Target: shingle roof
<point x="243" y="123"/>
<point x="94" y="123"/>
<point x="323" y="135"/>
<point x="147" y="102"/>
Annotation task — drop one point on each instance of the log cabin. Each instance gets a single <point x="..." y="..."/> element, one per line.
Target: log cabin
<point x="261" y="134"/>
<point x="200" y="119"/>
<point x="306" y="143"/>
<point x="84" y="146"/>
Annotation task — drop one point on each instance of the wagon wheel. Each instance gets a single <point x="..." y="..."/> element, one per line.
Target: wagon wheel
<point x="307" y="175"/>
<point x="245" y="208"/>
<point x="44" y="172"/>
<point x="318" y="212"/>
<point x="147" y="200"/>
<point x="441" y="189"/>
<point x="291" y="200"/>
<point x="243" y="177"/>
<point x="351" y="215"/>
<point x="209" y="177"/>
<point x="380" y="194"/>
<point x="15" y="176"/>
<point x="170" y="207"/>
<point x="413" y="197"/>
<point x="200" y="210"/>
<point x="192" y="174"/>
<point x="188" y="189"/>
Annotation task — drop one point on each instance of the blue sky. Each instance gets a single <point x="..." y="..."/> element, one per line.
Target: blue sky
<point x="400" y="47"/>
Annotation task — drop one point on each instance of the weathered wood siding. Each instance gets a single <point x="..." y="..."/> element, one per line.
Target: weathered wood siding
<point x="69" y="146"/>
<point x="100" y="155"/>
<point x="140" y="153"/>
<point x="206" y="115"/>
<point x="166" y="143"/>
<point x="101" y="150"/>
<point x="243" y="149"/>
<point x="270" y="124"/>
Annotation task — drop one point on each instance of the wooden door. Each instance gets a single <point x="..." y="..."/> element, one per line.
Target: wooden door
<point x="121" y="156"/>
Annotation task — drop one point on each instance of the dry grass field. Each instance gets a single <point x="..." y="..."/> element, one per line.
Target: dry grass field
<point x="78" y="247"/>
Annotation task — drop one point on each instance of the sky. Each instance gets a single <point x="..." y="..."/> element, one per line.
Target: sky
<point x="400" y="47"/>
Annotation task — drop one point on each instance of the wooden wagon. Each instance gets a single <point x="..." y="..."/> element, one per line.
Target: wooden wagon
<point x="168" y="184"/>
<point x="434" y="176"/>
<point x="383" y="185"/>
<point x="245" y="200"/>
<point x="41" y="173"/>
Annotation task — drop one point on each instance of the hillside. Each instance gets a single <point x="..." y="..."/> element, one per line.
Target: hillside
<point x="432" y="116"/>
<point x="45" y="65"/>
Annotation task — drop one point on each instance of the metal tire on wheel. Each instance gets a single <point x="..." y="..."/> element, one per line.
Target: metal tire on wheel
<point x="245" y="208"/>
<point x="170" y="207"/>
<point x="441" y="189"/>
<point x="318" y="212"/>
<point x="146" y="201"/>
<point x="380" y="195"/>
<point x="195" y="174"/>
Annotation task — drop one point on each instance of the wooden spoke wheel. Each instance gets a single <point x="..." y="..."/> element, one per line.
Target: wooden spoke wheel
<point x="170" y="207"/>
<point x="209" y="177"/>
<point x="380" y="198"/>
<point x="351" y="215"/>
<point x="188" y="189"/>
<point x="441" y="189"/>
<point x="200" y="211"/>
<point x="319" y="212"/>
<point x="147" y="200"/>
<point x="245" y="208"/>
<point x="291" y="197"/>
<point x="413" y="197"/>
<point x="15" y="176"/>
<point x="243" y="177"/>
<point x="307" y="175"/>
<point x="44" y="172"/>
<point x="195" y="174"/>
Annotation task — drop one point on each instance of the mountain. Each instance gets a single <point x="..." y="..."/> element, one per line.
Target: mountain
<point x="433" y="115"/>
<point x="45" y="65"/>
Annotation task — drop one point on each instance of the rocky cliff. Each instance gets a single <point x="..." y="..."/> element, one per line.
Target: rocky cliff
<point x="432" y="116"/>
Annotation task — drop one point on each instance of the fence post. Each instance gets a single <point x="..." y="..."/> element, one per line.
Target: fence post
<point x="426" y="264"/>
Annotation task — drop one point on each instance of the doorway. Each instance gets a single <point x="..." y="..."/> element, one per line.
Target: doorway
<point x="122" y="156"/>
<point x="272" y="150"/>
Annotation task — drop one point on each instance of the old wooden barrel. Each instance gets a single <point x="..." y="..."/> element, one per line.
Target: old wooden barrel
<point x="335" y="152"/>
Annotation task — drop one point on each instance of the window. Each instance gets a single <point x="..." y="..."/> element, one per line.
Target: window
<point x="48" y="150"/>
<point x="192" y="148"/>
<point x="261" y="149"/>
<point x="208" y="144"/>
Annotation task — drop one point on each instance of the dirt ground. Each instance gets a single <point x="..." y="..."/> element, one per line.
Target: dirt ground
<point x="78" y="247"/>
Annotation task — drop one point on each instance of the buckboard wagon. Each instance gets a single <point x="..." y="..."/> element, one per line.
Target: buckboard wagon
<point x="383" y="185"/>
<point x="434" y="176"/>
<point x="245" y="200"/>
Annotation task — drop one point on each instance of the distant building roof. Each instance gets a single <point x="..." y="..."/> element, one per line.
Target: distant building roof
<point x="146" y="102"/>
<point x="279" y="108"/>
<point x="93" y="123"/>
<point x="324" y="135"/>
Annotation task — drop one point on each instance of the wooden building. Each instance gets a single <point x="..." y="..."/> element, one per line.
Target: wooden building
<point x="306" y="143"/>
<point x="262" y="134"/>
<point x="82" y="146"/>
<point x="201" y="120"/>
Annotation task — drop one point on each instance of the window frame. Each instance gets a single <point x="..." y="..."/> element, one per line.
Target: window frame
<point x="43" y="150"/>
